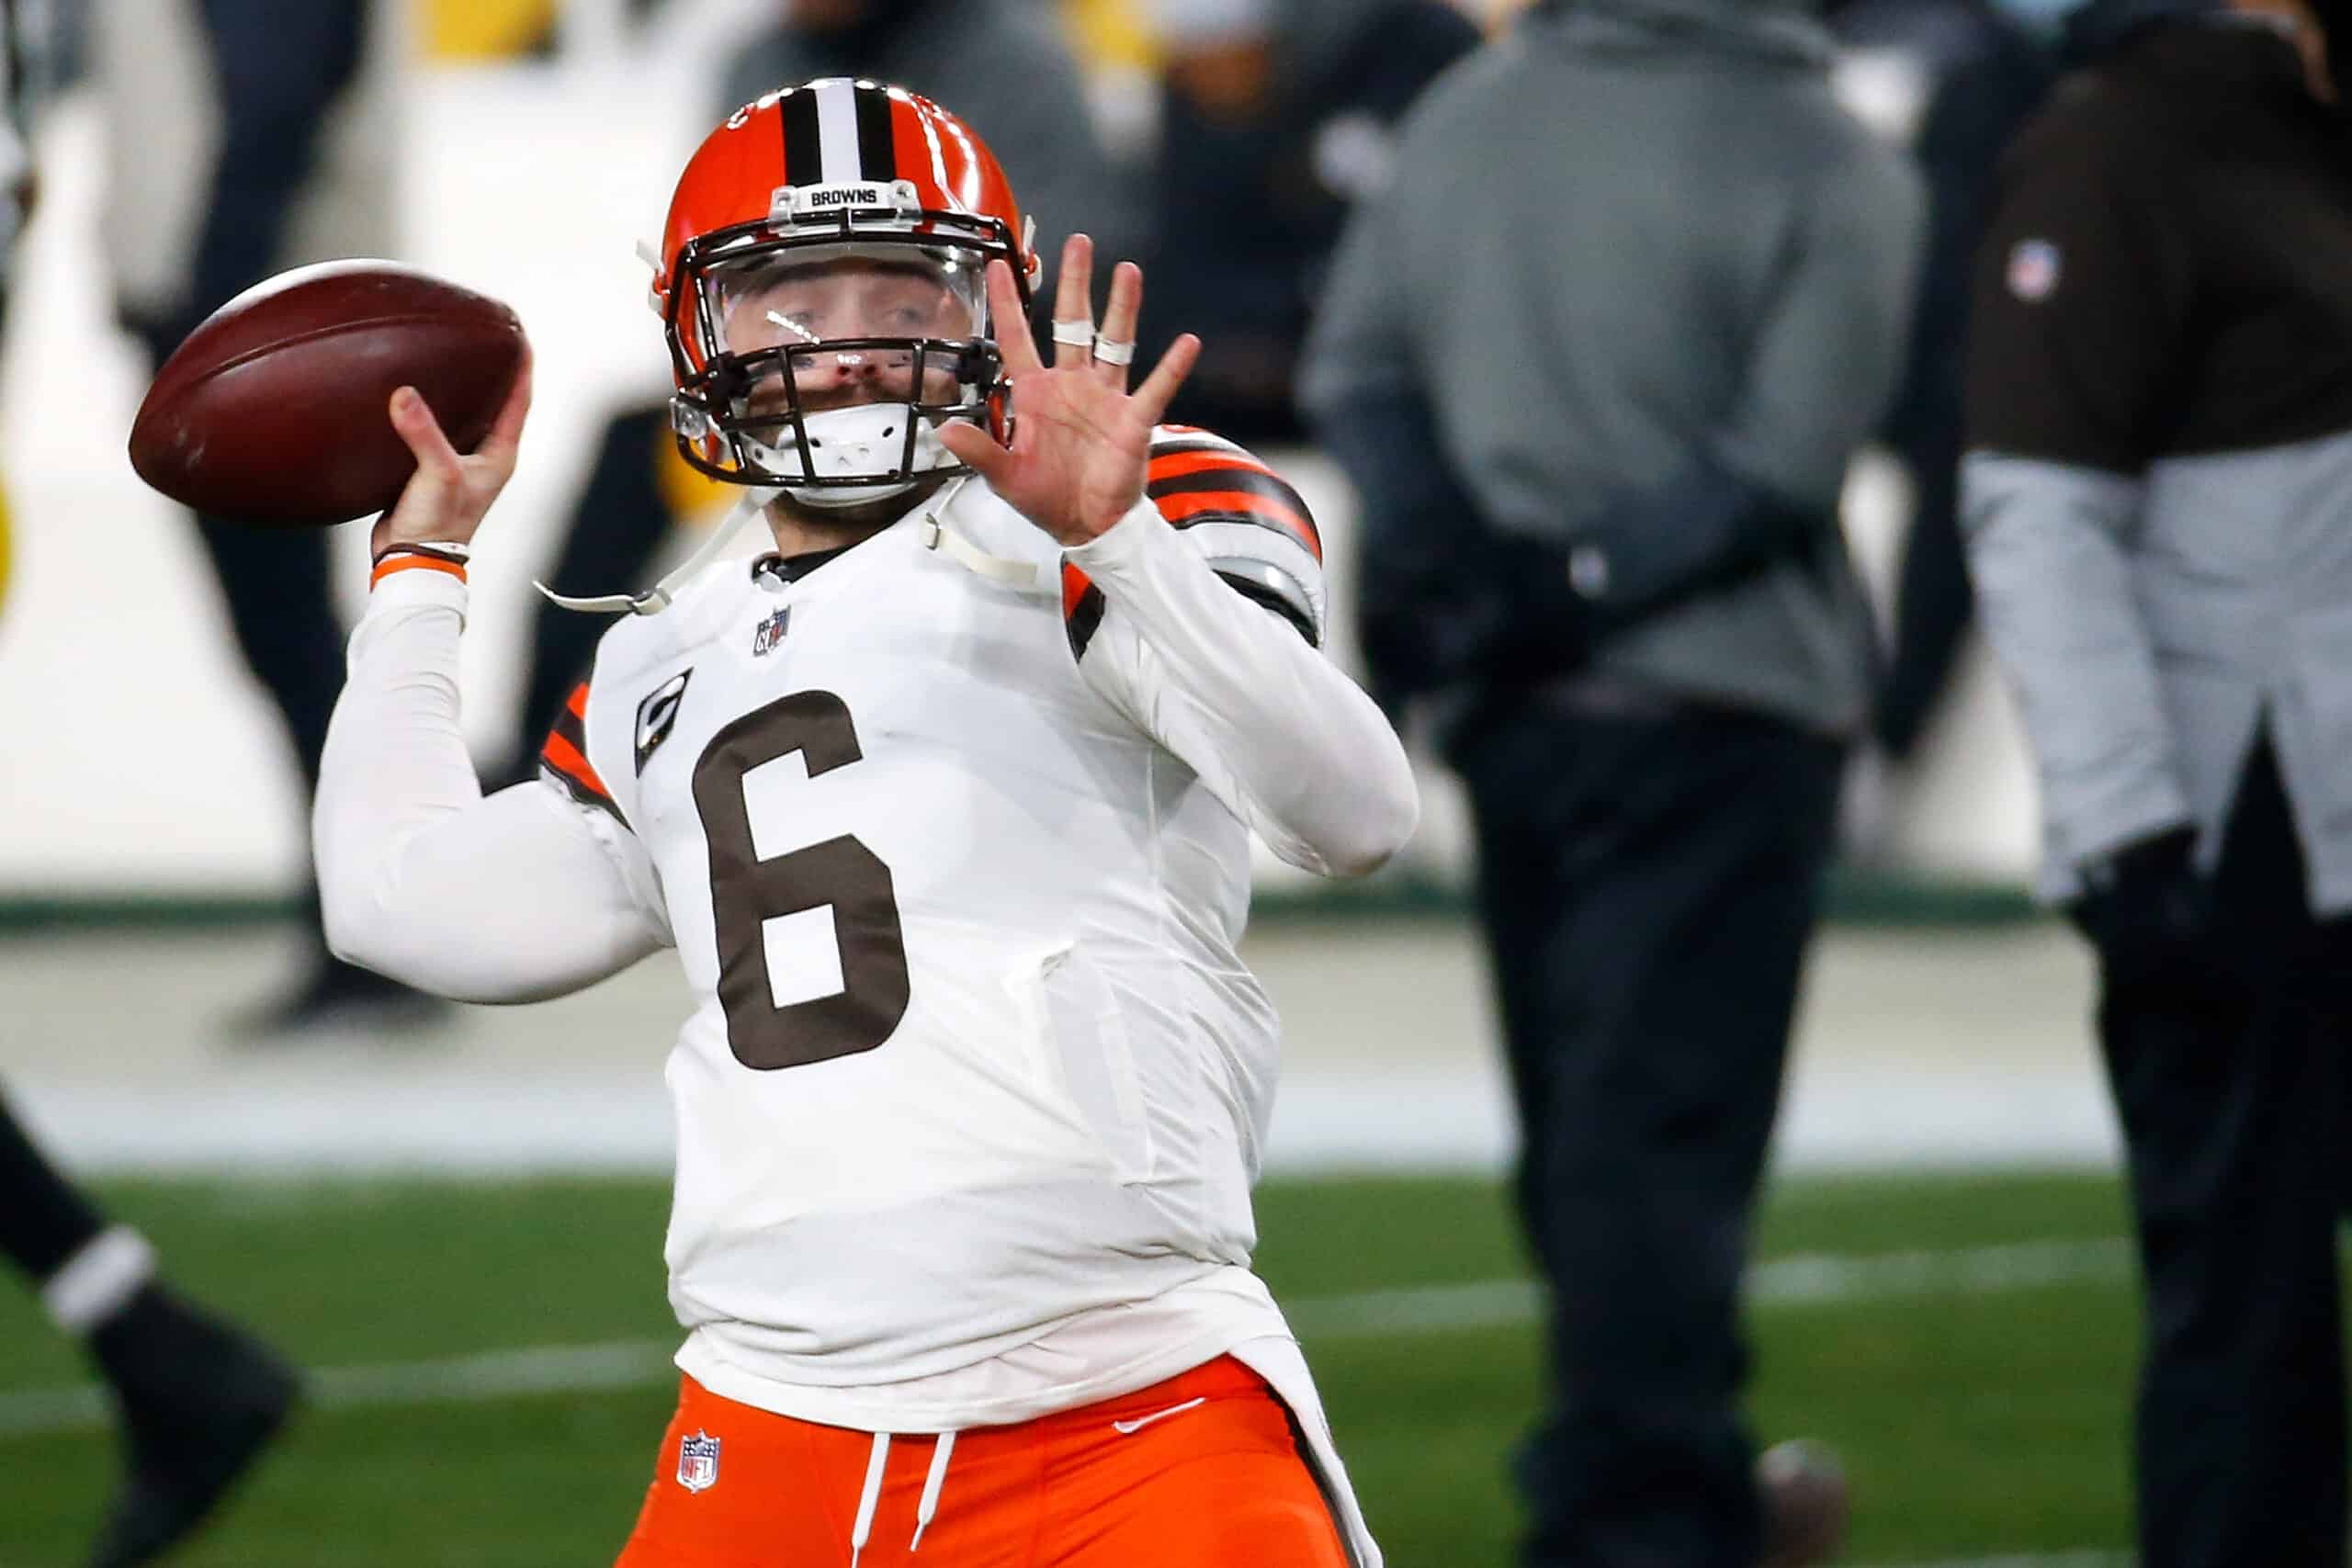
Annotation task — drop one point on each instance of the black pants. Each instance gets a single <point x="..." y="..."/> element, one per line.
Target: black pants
<point x="280" y="69"/>
<point x="1648" y="887"/>
<point x="2232" y="1104"/>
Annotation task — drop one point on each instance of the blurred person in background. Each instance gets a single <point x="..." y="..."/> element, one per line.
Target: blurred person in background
<point x="1596" y="362"/>
<point x="1962" y="75"/>
<point x="1276" y="117"/>
<point x="194" y="1400"/>
<point x="2157" y="503"/>
<point x="249" y="139"/>
<point x="1007" y="66"/>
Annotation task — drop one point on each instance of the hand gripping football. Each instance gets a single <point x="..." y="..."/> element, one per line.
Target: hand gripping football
<point x="274" y="411"/>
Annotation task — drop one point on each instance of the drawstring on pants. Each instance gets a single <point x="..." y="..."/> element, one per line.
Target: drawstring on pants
<point x="877" y="1462"/>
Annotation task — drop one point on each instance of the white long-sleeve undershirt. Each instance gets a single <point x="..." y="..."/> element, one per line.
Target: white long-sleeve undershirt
<point x="513" y="897"/>
<point x="1280" y="734"/>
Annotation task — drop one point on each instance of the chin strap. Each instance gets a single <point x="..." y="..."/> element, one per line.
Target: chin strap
<point x="933" y="533"/>
<point x="658" y="598"/>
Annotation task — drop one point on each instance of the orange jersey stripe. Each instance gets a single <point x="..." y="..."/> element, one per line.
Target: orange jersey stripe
<point x="1173" y="464"/>
<point x="415" y="563"/>
<point x="578" y="702"/>
<point x="1175" y="508"/>
<point x="1082" y="609"/>
<point x="564" y="758"/>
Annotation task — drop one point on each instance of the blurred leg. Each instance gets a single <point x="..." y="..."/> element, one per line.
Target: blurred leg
<point x="276" y="584"/>
<point x="1522" y="900"/>
<point x="197" y="1400"/>
<point x="281" y="605"/>
<point x="1654" y="993"/>
<point x="44" y="1220"/>
<point x="279" y="69"/>
<point x="2233" y="1115"/>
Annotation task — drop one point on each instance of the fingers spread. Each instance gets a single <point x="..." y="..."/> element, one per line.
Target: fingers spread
<point x="976" y="450"/>
<point x="1151" y="399"/>
<point x="1119" y="319"/>
<point x="1012" y="339"/>
<point x="1074" y="300"/>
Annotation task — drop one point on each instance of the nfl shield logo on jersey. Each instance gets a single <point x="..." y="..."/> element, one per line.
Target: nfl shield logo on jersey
<point x="698" y="1462"/>
<point x="771" y="631"/>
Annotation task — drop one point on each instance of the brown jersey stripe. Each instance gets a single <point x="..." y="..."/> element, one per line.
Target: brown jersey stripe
<point x="1198" y="459"/>
<point x="1258" y="594"/>
<point x="564" y="756"/>
<point x="1214" y="513"/>
<point x="1253" y="477"/>
<point x="571" y="719"/>
<point x="1239" y="506"/>
<point x="1082" y="609"/>
<point x="569" y="725"/>
<point x="410" y="561"/>
<point x="582" y="793"/>
<point x="1177" y="449"/>
<point x="1237" y="489"/>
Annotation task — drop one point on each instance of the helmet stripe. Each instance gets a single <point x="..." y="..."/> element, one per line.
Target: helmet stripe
<point x="801" y="159"/>
<point x="837" y="128"/>
<point x="877" y="156"/>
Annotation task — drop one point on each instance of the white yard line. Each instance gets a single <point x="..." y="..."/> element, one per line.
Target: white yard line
<point x="1804" y="1280"/>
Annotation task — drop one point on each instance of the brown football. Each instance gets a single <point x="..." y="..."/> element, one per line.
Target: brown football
<point x="274" y="411"/>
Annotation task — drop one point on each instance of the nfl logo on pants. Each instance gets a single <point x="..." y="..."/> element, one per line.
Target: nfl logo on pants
<point x="698" y="1462"/>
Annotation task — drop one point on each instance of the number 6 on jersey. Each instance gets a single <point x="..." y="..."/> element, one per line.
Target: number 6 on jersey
<point x="747" y="893"/>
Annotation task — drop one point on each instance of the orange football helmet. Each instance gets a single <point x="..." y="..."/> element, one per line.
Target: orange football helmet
<point x="820" y="283"/>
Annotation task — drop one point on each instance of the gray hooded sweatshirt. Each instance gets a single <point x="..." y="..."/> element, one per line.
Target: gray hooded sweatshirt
<point x="1637" y="250"/>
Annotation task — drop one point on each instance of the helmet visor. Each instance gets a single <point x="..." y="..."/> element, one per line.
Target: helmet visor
<point x="898" y="313"/>
<point x="796" y="330"/>
<point x="811" y="294"/>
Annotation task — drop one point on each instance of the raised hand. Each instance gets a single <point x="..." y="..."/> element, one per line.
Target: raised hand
<point x="1080" y="441"/>
<point x="445" y="498"/>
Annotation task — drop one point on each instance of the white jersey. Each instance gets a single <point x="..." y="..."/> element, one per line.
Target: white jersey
<point x="971" y="1052"/>
<point x="951" y="833"/>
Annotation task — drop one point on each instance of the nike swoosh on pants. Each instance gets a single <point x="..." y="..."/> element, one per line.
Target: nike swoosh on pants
<point x="1128" y="1428"/>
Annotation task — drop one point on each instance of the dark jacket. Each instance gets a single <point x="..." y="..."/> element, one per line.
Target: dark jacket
<point x="1245" y="216"/>
<point x="2158" y="500"/>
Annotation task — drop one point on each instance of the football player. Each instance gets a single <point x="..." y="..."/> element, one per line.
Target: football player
<point x="946" y="804"/>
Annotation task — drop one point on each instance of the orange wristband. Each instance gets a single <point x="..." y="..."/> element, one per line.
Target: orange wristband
<point x="412" y="558"/>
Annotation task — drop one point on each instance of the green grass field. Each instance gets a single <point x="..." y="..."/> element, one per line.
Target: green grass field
<point x="1967" y="1343"/>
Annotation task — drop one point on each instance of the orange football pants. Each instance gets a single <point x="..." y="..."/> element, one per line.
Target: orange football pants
<point x="1200" y="1471"/>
